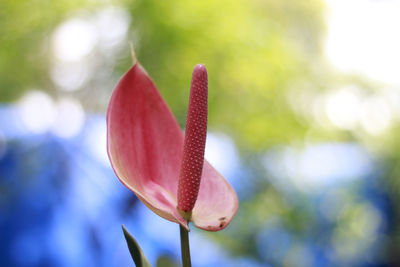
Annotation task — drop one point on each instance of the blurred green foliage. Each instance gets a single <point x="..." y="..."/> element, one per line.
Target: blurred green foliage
<point x="25" y="27"/>
<point x="253" y="50"/>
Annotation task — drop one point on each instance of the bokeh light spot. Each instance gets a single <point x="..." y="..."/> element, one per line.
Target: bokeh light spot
<point x="37" y="111"/>
<point x="342" y="108"/>
<point x="69" y="118"/>
<point x="73" y="39"/>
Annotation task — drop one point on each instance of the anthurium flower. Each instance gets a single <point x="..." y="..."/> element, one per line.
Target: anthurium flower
<point x="146" y="148"/>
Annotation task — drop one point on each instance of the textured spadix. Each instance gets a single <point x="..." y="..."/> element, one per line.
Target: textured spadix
<point x="145" y="145"/>
<point x="195" y="141"/>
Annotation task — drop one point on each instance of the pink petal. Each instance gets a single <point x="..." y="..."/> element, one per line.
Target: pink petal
<point x="145" y="145"/>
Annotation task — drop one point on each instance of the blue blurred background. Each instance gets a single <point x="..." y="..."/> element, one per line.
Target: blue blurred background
<point x="304" y="123"/>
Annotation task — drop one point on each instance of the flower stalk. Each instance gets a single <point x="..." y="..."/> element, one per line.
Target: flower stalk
<point x="185" y="250"/>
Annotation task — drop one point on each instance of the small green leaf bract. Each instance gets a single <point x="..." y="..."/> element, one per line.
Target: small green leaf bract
<point x="135" y="250"/>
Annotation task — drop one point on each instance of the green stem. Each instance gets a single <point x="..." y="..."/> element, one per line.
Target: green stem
<point x="185" y="247"/>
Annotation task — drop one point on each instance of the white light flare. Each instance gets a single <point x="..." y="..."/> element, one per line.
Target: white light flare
<point x="112" y="24"/>
<point x="317" y="166"/>
<point x="70" y="76"/>
<point x="222" y="154"/>
<point x="342" y="108"/>
<point x="37" y="111"/>
<point x="73" y="40"/>
<point x="82" y="44"/>
<point x="363" y="38"/>
<point x="375" y="115"/>
<point x="69" y="119"/>
<point x="96" y="139"/>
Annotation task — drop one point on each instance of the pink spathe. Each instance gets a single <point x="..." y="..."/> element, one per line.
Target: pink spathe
<point x="145" y="147"/>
